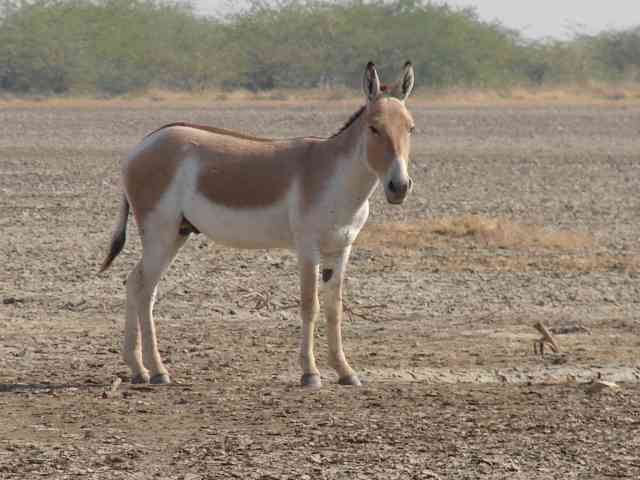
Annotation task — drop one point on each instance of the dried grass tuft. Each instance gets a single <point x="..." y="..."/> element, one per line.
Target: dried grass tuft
<point x="492" y="232"/>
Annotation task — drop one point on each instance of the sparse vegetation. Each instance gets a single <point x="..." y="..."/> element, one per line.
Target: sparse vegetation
<point x="491" y="232"/>
<point x="115" y="47"/>
<point x="472" y="241"/>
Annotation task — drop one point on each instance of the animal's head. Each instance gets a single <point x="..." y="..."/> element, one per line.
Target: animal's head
<point x="389" y="126"/>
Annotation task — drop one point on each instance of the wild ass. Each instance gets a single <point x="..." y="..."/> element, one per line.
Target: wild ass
<point x="307" y="194"/>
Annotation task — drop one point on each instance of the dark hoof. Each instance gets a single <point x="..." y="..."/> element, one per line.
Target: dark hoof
<point x="352" y="380"/>
<point x="160" y="379"/>
<point x="311" y="380"/>
<point x="140" y="379"/>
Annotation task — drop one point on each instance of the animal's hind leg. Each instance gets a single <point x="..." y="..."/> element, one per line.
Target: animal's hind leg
<point x="159" y="249"/>
<point x="132" y="352"/>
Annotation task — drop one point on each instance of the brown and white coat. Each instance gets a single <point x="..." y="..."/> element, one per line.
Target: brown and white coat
<point x="307" y="194"/>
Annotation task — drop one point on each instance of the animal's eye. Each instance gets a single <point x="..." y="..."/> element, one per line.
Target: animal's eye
<point x="412" y="129"/>
<point x="374" y="130"/>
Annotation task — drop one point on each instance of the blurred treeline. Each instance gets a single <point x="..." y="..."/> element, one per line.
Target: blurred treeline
<point x="121" y="46"/>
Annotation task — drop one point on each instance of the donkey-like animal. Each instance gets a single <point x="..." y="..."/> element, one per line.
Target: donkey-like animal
<point x="307" y="194"/>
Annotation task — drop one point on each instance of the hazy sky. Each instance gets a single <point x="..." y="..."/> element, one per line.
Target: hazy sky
<point x="535" y="18"/>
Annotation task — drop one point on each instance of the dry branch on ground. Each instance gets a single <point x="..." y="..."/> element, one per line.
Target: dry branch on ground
<point x="547" y="337"/>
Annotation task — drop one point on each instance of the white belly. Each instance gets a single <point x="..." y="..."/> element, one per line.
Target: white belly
<point x="263" y="227"/>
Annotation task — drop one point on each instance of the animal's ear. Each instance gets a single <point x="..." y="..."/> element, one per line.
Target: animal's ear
<point x="371" y="82"/>
<point x="403" y="87"/>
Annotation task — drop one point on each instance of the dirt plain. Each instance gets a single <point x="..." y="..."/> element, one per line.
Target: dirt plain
<point x="439" y="316"/>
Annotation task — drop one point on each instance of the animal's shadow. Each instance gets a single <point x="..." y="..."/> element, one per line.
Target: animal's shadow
<point x="48" y="387"/>
<point x="44" y="388"/>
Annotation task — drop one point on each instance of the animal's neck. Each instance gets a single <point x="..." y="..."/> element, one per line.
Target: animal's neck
<point x="357" y="182"/>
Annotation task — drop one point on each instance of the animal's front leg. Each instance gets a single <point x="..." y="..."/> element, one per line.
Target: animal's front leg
<point x="309" y="307"/>
<point x="333" y="269"/>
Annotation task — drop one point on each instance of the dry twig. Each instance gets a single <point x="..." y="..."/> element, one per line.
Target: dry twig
<point x="114" y="388"/>
<point x="351" y="312"/>
<point x="538" y="345"/>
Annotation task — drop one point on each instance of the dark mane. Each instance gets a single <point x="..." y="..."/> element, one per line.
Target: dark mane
<point x="349" y="122"/>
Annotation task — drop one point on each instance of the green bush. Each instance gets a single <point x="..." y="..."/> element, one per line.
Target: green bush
<point x="618" y="54"/>
<point x="119" y="46"/>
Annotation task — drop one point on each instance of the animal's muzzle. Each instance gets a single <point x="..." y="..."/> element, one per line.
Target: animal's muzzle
<point x="398" y="190"/>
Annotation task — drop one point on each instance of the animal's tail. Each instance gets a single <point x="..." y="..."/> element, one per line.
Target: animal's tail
<point x="119" y="234"/>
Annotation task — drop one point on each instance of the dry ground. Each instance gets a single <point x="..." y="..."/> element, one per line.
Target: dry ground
<point x="520" y="214"/>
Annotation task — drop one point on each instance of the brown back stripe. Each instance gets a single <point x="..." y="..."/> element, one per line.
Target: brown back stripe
<point x="206" y="128"/>
<point x="231" y="133"/>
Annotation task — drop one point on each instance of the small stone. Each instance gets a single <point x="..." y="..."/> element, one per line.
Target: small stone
<point x="600" y="385"/>
<point x="12" y="300"/>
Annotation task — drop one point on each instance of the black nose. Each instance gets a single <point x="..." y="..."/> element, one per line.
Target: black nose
<point x="399" y="188"/>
